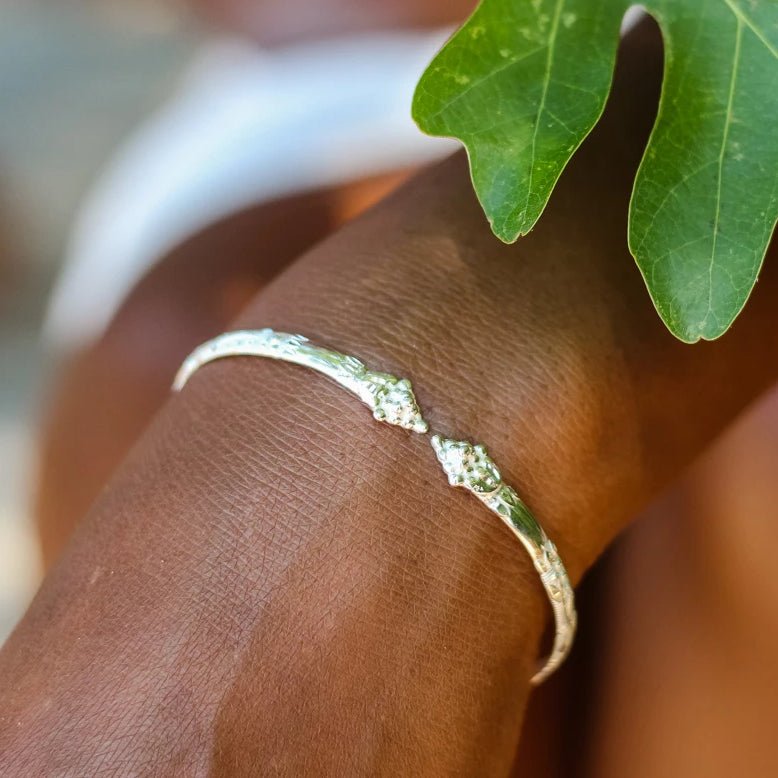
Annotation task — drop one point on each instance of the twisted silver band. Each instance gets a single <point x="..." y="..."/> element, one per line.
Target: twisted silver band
<point x="467" y="465"/>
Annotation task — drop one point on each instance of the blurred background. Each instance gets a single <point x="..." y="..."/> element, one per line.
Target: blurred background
<point x="75" y="78"/>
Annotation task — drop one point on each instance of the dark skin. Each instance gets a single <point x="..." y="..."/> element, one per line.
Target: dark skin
<point x="691" y="608"/>
<point x="276" y="584"/>
<point x="106" y="394"/>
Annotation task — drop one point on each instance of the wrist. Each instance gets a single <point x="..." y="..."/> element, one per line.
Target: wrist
<point x="538" y="380"/>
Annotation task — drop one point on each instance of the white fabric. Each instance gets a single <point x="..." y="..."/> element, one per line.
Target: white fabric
<point x="247" y="126"/>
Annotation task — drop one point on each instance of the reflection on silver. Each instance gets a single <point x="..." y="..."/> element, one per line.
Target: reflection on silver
<point x="470" y="467"/>
<point x="390" y="399"/>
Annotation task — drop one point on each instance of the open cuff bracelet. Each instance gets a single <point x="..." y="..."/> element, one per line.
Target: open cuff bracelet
<point x="392" y="401"/>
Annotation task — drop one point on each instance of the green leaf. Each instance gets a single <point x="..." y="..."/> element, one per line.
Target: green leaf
<point x="521" y="85"/>
<point x="524" y="81"/>
<point x="706" y="195"/>
<point x="761" y="16"/>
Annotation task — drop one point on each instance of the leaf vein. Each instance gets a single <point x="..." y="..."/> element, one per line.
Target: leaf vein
<point x="722" y="152"/>
<point x="741" y="17"/>
<point x="541" y="108"/>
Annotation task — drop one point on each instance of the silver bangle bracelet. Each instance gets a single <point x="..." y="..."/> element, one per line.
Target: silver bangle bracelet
<point x="392" y="401"/>
<point x="470" y="467"/>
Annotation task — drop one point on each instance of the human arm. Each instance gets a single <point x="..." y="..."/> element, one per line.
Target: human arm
<point x="275" y="583"/>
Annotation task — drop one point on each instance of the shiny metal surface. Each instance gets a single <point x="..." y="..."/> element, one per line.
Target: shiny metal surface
<point x="390" y="399"/>
<point x="470" y="467"/>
